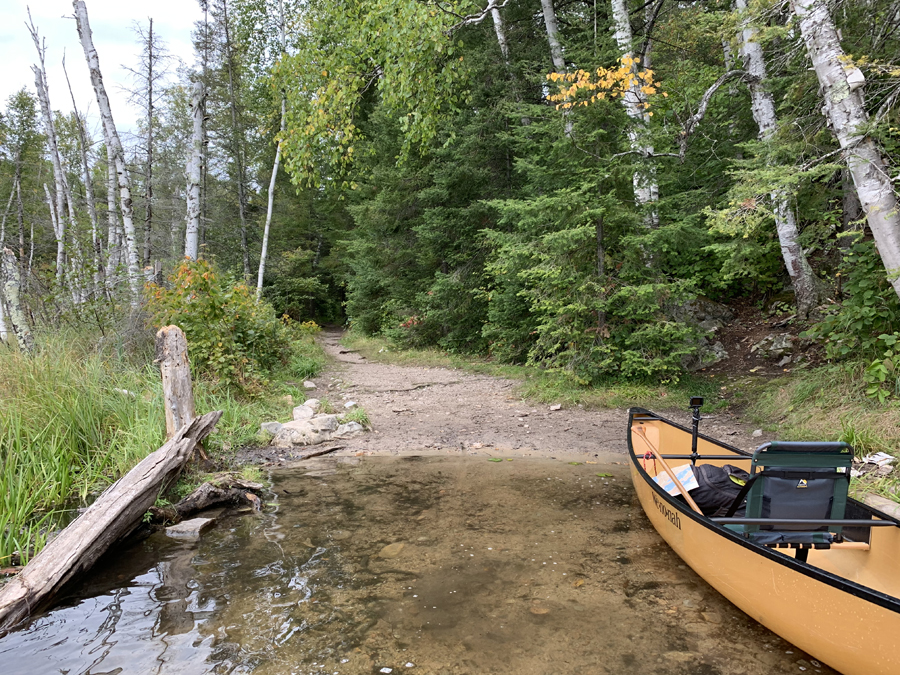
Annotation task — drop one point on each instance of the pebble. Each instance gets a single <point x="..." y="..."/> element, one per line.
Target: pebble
<point x="757" y="433"/>
<point x="391" y="550"/>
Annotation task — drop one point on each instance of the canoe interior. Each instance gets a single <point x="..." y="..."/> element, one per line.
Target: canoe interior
<point x="877" y="568"/>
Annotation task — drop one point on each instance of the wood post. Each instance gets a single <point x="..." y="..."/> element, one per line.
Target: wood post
<point x="178" y="394"/>
<point x="115" y="514"/>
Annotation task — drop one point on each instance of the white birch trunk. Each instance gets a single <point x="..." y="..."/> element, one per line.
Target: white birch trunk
<point x="112" y="141"/>
<point x="113" y="241"/>
<point x="845" y="111"/>
<point x="271" y="202"/>
<point x="194" y="173"/>
<point x="4" y="333"/>
<point x="499" y="30"/>
<point x="54" y="217"/>
<point x="59" y="229"/>
<point x="803" y="280"/>
<point x="556" y="53"/>
<point x="12" y="283"/>
<point x="646" y="188"/>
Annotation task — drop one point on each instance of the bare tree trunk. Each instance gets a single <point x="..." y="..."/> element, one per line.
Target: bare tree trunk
<point x="238" y="142"/>
<point x="205" y="146"/>
<point x="20" y="209"/>
<point x="499" y="30"/>
<point x="40" y="82"/>
<point x="12" y="282"/>
<point x="806" y="286"/>
<point x="271" y="201"/>
<point x="112" y="140"/>
<point x="556" y="53"/>
<point x="646" y="188"/>
<point x="845" y="110"/>
<point x="55" y="220"/>
<point x="12" y="193"/>
<point x="88" y="190"/>
<point x="113" y="241"/>
<point x="148" y="174"/>
<point x="4" y="333"/>
<point x="194" y="173"/>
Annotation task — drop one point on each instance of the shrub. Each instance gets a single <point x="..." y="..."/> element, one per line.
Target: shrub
<point x="231" y="336"/>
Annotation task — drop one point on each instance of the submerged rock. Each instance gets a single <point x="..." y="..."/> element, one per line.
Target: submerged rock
<point x="190" y="529"/>
<point x="391" y="550"/>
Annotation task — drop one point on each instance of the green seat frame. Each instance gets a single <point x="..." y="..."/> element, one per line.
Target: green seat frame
<point x="771" y="459"/>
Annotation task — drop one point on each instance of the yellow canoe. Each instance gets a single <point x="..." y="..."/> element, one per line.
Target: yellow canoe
<point x="840" y="605"/>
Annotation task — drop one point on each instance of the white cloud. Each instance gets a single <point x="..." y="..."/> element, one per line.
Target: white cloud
<point x="116" y="43"/>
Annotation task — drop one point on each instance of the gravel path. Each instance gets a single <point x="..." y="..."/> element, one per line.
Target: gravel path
<point x="426" y="411"/>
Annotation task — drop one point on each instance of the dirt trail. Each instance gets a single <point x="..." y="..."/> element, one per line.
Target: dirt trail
<point x="419" y="410"/>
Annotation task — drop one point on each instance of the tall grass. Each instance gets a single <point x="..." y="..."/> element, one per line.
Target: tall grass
<point x="70" y="422"/>
<point x="75" y="417"/>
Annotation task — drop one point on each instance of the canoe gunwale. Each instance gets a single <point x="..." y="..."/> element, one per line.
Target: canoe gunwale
<point x="840" y="583"/>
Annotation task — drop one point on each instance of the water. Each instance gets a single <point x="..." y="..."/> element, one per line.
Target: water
<point x="418" y="565"/>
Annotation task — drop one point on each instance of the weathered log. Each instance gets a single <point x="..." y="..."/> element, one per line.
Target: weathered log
<point x="115" y="514"/>
<point x="178" y="394"/>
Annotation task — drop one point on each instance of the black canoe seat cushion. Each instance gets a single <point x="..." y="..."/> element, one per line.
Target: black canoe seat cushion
<point x="802" y="481"/>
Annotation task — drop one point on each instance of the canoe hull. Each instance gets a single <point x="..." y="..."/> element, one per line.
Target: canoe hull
<point x="825" y="615"/>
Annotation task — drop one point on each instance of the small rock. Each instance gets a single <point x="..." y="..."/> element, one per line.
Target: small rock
<point x="556" y="406"/>
<point x="313" y="404"/>
<point x="391" y="550"/>
<point x="309" y="384"/>
<point x="302" y="412"/>
<point x="271" y="427"/>
<point x="348" y="429"/>
<point x="757" y="433"/>
<point x="189" y="529"/>
<point x="786" y="360"/>
<point x="350" y="404"/>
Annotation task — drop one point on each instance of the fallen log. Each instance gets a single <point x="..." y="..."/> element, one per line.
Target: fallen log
<point x="115" y="514"/>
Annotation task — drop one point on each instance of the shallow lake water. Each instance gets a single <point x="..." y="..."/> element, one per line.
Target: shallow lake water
<point x="409" y="565"/>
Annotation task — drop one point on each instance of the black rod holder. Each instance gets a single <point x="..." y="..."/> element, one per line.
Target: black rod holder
<point x="695" y="405"/>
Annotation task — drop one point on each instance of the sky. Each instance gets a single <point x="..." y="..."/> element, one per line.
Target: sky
<point x="112" y="24"/>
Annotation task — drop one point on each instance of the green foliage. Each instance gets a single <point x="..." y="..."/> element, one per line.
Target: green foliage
<point x="231" y="336"/>
<point x="402" y="51"/>
<point x="865" y="326"/>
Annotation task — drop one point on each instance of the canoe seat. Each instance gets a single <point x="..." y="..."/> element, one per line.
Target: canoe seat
<point x="796" y="481"/>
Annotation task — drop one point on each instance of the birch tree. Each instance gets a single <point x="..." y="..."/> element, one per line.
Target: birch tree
<point x="194" y="174"/>
<point x="844" y="107"/>
<point x="114" y="143"/>
<point x="646" y="188"/>
<point x="12" y="283"/>
<point x="43" y="94"/>
<point x="803" y="280"/>
<point x="271" y="200"/>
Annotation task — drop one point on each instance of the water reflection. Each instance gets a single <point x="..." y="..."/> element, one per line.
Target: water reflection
<point x="449" y="567"/>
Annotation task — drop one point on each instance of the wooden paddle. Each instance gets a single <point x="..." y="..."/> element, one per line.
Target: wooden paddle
<point x="656" y="454"/>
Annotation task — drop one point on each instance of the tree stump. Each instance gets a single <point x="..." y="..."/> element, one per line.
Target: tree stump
<point x="178" y="394"/>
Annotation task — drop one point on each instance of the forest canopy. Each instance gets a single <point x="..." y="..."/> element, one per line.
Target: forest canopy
<point x="550" y="183"/>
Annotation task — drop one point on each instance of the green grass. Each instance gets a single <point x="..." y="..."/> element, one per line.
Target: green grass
<point x="829" y="404"/>
<point x="74" y="418"/>
<point x="548" y="386"/>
